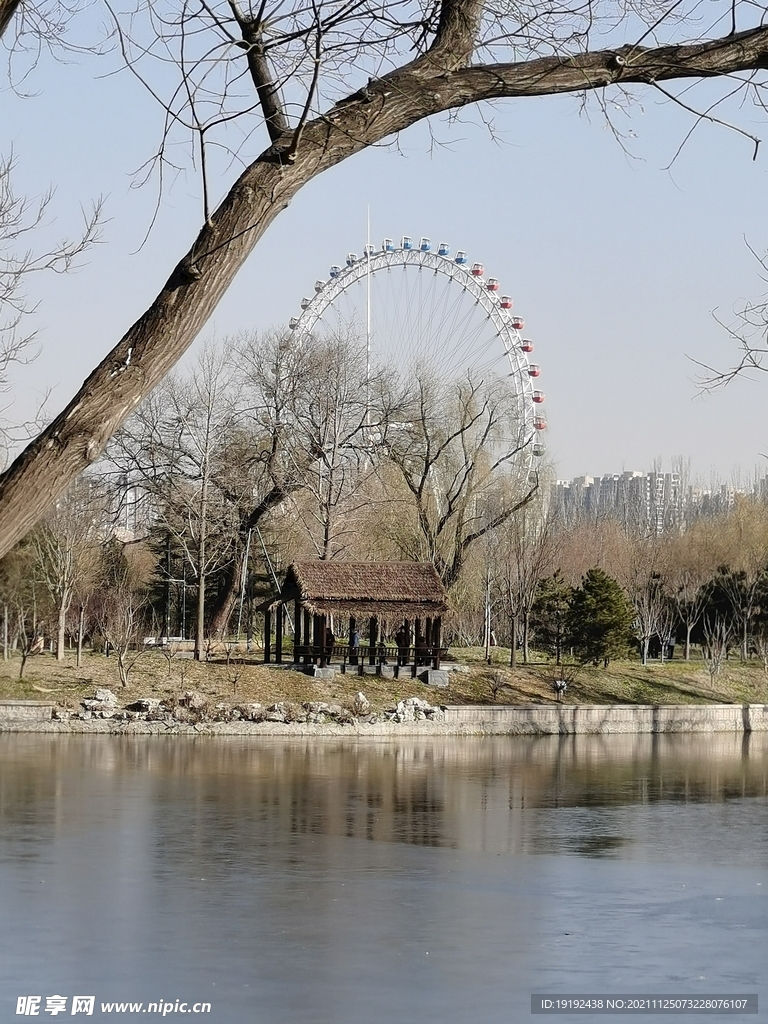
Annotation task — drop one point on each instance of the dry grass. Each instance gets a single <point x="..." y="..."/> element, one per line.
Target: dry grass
<point x="621" y="683"/>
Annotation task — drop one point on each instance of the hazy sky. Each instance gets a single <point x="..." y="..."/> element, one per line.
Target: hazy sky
<point x="615" y="263"/>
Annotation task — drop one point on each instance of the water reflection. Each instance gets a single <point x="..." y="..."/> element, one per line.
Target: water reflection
<point x="456" y="793"/>
<point x="320" y="873"/>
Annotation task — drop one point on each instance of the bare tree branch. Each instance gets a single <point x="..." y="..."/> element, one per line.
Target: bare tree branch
<point x="436" y="81"/>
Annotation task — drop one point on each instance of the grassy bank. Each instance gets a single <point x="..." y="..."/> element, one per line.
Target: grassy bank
<point x="475" y="682"/>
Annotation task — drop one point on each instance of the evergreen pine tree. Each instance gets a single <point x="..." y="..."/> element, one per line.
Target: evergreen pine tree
<point x="600" y="620"/>
<point x="549" y="615"/>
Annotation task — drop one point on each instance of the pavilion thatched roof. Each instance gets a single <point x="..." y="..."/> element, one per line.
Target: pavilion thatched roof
<point x="385" y="589"/>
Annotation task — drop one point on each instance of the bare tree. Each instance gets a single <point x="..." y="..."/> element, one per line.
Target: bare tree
<point x="121" y="606"/>
<point x="336" y="431"/>
<point x="718" y="635"/>
<point x="67" y="545"/>
<point x="458" y="454"/>
<point x="272" y="451"/>
<point x="328" y="81"/>
<point x="18" y="589"/>
<point x="524" y="549"/>
<point x="174" y="449"/>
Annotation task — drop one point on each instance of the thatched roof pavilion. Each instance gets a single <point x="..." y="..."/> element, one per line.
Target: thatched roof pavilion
<point x="399" y="592"/>
<point x="362" y="589"/>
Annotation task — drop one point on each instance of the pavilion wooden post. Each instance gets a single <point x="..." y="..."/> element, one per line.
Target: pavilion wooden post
<point x="323" y="649"/>
<point x="279" y="617"/>
<point x="296" y="631"/>
<point x="373" y="636"/>
<point x="428" y="636"/>
<point x="437" y="641"/>
<point x="267" y="635"/>
<point x="316" y="641"/>
<point x="352" y="631"/>
<point x="307" y="638"/>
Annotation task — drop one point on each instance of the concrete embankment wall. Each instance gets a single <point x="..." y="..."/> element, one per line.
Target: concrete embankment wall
<point x="573" y="719"/>
<point x="457" y="720"/>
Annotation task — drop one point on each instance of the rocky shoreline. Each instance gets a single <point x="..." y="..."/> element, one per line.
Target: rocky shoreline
<point x="195" y="715"/>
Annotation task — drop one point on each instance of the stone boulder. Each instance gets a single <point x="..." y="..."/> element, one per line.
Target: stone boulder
<point x="194" y="700"/>
<point x="252" y="712"/>
<point x="103" y="704"/>
<point x="361" y="705"/>
<point x="105" y="696"/>
<point x="414" y="709"/>
<point x="144" y="704"/>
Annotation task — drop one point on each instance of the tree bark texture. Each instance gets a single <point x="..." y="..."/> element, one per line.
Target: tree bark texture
<point x="7" y="10"/>
<point x="437" y="81"/>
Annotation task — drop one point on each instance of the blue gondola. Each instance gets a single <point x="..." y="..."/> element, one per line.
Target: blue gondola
<point x="407" y="242"/>
<point x="425" y="245"/>
<point x="444" y="249"/>
<point x="461" y="257"/>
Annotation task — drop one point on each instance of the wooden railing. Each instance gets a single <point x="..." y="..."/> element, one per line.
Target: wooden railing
<point x="365" y="655"/>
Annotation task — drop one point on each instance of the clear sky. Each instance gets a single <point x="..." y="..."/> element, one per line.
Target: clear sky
<point x="615" y="263"/>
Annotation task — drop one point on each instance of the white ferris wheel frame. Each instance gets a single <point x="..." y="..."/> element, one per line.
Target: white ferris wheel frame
<point x="372" y="262"/>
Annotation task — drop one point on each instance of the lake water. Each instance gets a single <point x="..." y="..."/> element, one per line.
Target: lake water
<point x="417" y="880"/>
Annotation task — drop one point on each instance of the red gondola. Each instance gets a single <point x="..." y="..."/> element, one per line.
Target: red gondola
<point x="526" y="345"/>
<point x="478" y="269"/>
<point x="534" y="370"/>
<point x="506" y="302"/>
<point x="492" y="285"/>
<point x="538" y="397"/>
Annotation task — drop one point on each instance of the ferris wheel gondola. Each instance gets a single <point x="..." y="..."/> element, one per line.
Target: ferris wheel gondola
<point x="421" y="307"/>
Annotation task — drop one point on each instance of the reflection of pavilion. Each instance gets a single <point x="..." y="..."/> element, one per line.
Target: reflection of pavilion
<point x="403" y="601"/>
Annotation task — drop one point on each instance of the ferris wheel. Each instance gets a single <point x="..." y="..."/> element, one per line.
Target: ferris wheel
<point x="416" y="309"/>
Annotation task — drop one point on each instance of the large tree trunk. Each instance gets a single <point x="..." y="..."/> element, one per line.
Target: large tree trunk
<point x="80" y="625"/>
<point x="437" y="81"/>
<point x="513" y="644"/>
<point x="7" y="11"/>
<point x="228" y="597"/>
<point x="61" y="632"/>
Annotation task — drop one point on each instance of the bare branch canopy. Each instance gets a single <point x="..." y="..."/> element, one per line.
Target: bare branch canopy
<point x="444" y="75"/>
